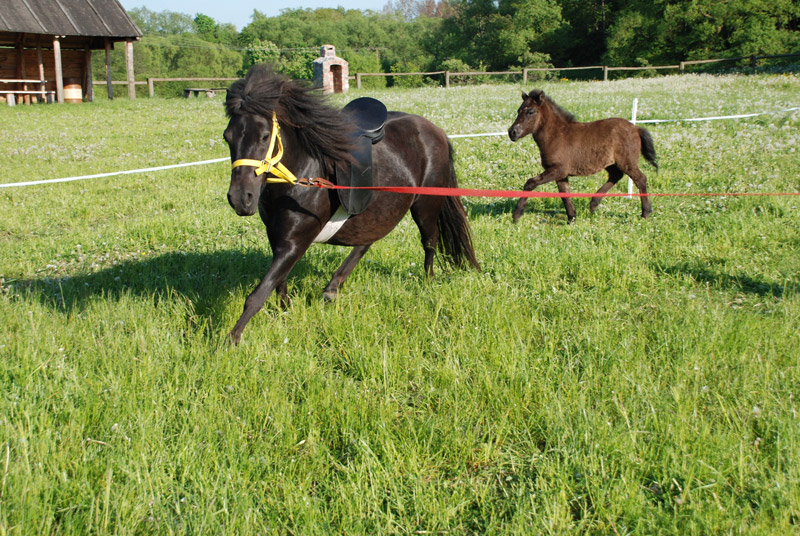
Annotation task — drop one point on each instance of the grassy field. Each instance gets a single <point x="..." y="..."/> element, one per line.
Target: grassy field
<point x="615" y="376"/>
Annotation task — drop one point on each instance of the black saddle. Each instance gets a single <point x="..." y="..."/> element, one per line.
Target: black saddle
<point x="369" y="116"/>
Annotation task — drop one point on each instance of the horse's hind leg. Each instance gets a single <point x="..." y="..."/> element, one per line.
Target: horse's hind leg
<point x="332" y="289"/>
<point x="640" y="180"/>
<point x="282" y="290"/>
<point x="426" y="215"/>
<point x="614" y="175"/>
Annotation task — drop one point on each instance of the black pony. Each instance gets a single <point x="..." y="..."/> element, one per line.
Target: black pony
<point x="307" y="138"/>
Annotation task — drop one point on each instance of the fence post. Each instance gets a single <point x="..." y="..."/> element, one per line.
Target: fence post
<point x="605" y="73"/>
<point x="633" y="120"/>
<point x="525" y="76"/>
<point x="447" y="79"/>
<point x="682" y="66"/>
<point x="150" y="88"/>
<point x="358" y="80"/>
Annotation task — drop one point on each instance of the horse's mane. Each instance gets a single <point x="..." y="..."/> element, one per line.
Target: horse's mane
<point x="322" y="130"/>
<point x="544" y="100"/>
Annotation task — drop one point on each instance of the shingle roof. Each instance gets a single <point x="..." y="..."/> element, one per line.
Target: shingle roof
<point x="98" y="18"/>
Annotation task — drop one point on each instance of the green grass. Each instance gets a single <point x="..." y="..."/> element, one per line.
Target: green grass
<point x="612" y="376"/>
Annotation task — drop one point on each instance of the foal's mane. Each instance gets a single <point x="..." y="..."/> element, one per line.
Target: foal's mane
<point x="543" y="100"/>
<point x="322" y="130"/>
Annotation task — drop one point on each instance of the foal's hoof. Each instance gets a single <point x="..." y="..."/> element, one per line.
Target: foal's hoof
<point x="646" y="215"/>
<point x="571" y="220"/>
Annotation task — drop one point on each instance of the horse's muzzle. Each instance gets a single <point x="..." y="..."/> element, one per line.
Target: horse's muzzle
<point x="243" y="202"/>
<point x="513" y="134"/>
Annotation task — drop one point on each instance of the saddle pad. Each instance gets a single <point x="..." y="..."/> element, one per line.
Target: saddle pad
<point x="356" y="174"/>
<point x="369" y="116"/>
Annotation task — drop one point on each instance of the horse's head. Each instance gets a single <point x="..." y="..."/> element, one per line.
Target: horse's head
<point x="248" y="137"/>
<point x="315" y="135"/>
<point x="253" y="135"/>
<point x="529" y="115"/>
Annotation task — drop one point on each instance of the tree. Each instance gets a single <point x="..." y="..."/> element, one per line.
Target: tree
<point x="161" y="22"/>
<point x="674" y="30"/>
<point x="500" y="34"/>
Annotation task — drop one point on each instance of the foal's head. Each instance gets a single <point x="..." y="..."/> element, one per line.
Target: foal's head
<point x="533" y="111"/>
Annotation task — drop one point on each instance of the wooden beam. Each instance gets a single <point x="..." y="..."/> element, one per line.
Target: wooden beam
<point x="87" y="75"/>
<point x="41" y="66"/>
<point x="59" y="71"/>
<point x="129" y="69"/>
<point x="108" y="69"/>
<point x="20" y="48"/>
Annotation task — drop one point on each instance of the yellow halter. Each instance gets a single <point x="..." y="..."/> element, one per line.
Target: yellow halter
<point x="271" y="164"/>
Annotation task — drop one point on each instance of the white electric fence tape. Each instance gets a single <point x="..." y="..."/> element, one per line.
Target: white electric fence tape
<point x="215" y="160"/>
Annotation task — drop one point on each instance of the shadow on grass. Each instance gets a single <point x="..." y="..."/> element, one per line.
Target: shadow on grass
<point x="207" y="280"/>
<point x="504" y="209"/>
<point x="708" y="274"/>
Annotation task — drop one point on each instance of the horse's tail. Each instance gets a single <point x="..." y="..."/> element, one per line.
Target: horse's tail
<point x="455" y="237"/>
<point x="648" y="151"/>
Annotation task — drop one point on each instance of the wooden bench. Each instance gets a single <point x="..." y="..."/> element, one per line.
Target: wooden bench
<point x="195" y="91"/>
<point x="12" y="93"/>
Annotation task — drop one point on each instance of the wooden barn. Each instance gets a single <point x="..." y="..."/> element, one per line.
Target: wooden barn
<point x="46" y="47"/>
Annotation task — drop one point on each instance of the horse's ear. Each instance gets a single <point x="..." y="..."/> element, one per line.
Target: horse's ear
<point x="536" y="95"/>
<point x="524" y="96"/>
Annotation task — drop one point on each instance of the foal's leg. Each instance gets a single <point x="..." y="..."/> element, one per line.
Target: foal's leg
<point x="332" y="289"/>
<point x="548" y="175"/>
<point x="614" y="175"/>
<point x="426" y="211"/>
<point x="563" y="187"/>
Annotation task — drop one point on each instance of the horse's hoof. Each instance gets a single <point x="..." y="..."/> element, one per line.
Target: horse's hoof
<point x="234" y="338"/>
<point x="645" y="215"/>
<point x="571" y="220"/>
<point x="329" y="296"/>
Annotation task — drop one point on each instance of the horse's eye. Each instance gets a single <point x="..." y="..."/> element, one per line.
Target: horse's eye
<point x="529" y="112"/>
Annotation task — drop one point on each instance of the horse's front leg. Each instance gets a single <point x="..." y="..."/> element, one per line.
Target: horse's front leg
<point x="282" y="264"/>
<point x="548" y="175"/>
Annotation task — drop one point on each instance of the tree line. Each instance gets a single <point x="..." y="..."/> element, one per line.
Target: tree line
<point x="460" y="35"/>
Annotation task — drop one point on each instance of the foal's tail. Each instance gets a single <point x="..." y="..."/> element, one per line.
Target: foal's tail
<point x="455" y="237"/>
<point x="648" y="151"/>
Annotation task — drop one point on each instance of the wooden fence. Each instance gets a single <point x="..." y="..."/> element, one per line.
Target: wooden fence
<point x="680" y="67"/>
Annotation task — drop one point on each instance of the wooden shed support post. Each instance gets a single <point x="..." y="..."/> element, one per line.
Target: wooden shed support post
<point x="109" y="87"/>
<point x="88" y="76"/>
<point x="40" y="61"/>
<point x="129" y="69"/>
<point x="20" y="74"/>
<point x="59" y="71"/>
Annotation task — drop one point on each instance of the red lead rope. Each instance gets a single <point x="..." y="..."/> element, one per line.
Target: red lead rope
<point x="474" y="192"/>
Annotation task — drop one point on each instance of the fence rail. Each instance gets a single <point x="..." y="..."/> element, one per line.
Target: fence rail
<point x="681" y="67"/>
